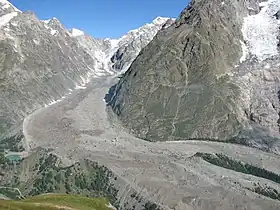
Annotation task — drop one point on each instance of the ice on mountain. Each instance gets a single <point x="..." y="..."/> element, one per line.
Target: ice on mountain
<point x="260" y="31"/>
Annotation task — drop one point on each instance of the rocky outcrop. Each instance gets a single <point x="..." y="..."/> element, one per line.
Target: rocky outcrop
<point x="201" y="78"/>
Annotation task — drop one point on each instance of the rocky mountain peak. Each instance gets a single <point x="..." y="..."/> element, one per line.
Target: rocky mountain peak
<point x="55" y="27"/>
<point x="208" y="76"/>
<point x="155" y="25"/>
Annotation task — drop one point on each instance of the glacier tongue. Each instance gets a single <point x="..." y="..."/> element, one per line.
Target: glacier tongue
<point x="260" y="31"/>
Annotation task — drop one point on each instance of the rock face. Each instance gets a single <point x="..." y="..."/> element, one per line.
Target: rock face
<point x="203" y="77"/>
<point x="41" y="62"/>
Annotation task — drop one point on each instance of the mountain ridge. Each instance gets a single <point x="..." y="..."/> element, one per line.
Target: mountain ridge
<point x="189" y="80"/>
<point x="55" y="62"/>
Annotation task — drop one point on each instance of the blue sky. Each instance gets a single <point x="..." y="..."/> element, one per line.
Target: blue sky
<point x="103" y="18"/>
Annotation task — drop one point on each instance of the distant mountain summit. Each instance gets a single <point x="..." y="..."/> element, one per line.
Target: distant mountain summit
<point x="42" y="61"/>
<point x="116" y="55"/>
<point x="130" y="45"/>
<point x="76" y="32"/>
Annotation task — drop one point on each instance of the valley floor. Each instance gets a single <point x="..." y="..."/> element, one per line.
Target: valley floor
<point x="167" y="173"/>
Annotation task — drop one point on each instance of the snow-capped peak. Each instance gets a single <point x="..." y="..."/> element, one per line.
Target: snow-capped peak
<point x="4" y="4"/>
<point x="54" y="19"/>
<point x="160" y="20"/>
<point x="152" y="28"/>
<point x="260" y="31"/>
<point x="46" y="21"/>
<point x="76" y="32"/>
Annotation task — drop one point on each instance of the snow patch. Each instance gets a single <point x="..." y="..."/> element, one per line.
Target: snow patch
<point x="114" y="43"/>
<point x="76" y="32"/>
<point x="78" y="87"/>
<point x="110" y="206"/>
<point x="53" y="32"/>
<point x="14" y="24"/>
<point x="46" y="21"/>
<point x="5" y="19"/>
<point x="8" y="36"/>
<point x="263" y="4"/>
<point x="267" y="66"/>
<point x="260" y="31"/>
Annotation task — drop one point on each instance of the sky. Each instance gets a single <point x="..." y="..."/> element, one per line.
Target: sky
<point x="103" y="18"/>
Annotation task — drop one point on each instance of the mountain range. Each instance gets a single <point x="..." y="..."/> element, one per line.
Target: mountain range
<point x="178" y="114"/>
<point x="42" y="61"/>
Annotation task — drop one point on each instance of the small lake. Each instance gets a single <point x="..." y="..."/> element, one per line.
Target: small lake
<point x="14" y="157"/>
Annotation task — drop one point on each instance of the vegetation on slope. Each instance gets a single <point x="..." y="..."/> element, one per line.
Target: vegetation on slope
<point x="44" y="172"/>
<point x="266" y="191"/>
<point x="228" y="163"/>
<point x="55" y="202"/>
<point x="11" y="193"/>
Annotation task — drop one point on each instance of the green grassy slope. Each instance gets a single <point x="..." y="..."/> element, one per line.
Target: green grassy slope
<point x="55" y="202"/>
